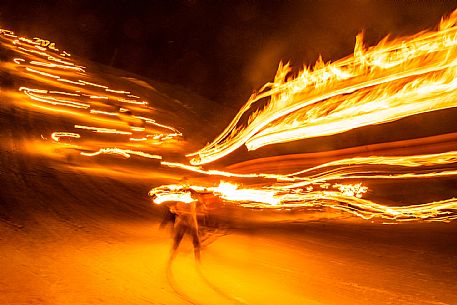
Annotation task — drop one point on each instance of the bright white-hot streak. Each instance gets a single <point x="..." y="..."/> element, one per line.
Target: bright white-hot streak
<point x="122" y="152"/>
<point x="57" y="135"/>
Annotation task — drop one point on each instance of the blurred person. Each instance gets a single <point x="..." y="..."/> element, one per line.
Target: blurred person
<point x="185" y="223"/>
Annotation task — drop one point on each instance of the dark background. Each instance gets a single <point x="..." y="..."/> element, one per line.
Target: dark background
<point x="222" y="50"/>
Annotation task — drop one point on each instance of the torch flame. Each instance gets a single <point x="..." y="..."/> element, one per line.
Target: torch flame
<point x="375" y="85"/>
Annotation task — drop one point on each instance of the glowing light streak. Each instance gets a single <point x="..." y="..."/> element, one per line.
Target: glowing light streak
<point x="165" y="196"/>
<point x="353" y="190"/>
<point x="10" y="35"/>
<point x="346" y="168"/>
<point x="133" y="102"/>
<point x="138" y="139"/>
<point x="69" y="63"/>
<point x="103" y="130"/>
<point x="212" y="172"/>
<point x="322" y="177"/>
<point x="64" y="93"/>
<point x="153" y="122"/>
<point x="344" y="200"/>
<point x="122" y="152"/>
<point x="350" y="168"/>
<point x="42" y="73"/>
<point x="29" y="41"/>
<point x="155" y="137"/>
<point x="41" y="53"/>
<point x="45" y="43"/>
<point x="18" y="60"/>
<point x="51" y="65"/>
<point x="117" y="91"/>
<point x="69" y="81"/>
<point x="31" y="93"/>
<point x="57" y="135"/>
<point x="25" y="89"/>
<point x="103" y="112"/>
<point x="133" y="128"/>
<point x="229" y="191"/>
<point x="92" y="84"/>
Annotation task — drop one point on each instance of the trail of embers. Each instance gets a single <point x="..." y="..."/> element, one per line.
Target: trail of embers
<point x="324" y="186"/>
<point x="105" y="120"/>
<point x="392" y="80"/>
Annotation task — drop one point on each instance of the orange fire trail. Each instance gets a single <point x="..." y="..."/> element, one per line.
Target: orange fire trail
<point x="389" y="81"/>
<point x="103" y="130"/>
<point x="355" y="168"/>
<point x="379" y="84"/>
<point x="57" y="135"/>
<point x="347" y="199"/>
<point x="122" y="152"/>
<point x="33" y="94"/>
<point x="68" y="89"/>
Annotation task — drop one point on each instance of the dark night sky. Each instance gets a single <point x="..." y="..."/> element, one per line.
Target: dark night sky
<point x="222" y="50"/>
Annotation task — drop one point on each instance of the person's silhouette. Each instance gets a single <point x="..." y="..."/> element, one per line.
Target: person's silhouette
<point x="185" y="223"/>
